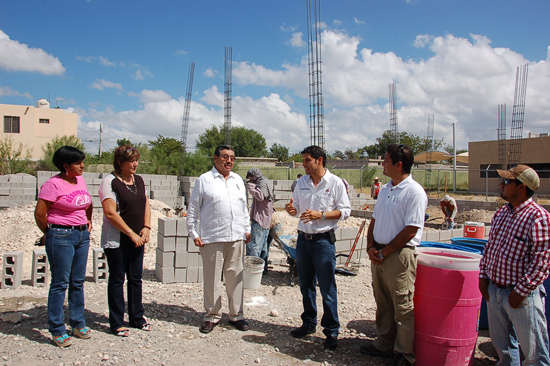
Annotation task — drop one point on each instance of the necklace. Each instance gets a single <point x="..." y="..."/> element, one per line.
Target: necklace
<point x="132" y="183"/>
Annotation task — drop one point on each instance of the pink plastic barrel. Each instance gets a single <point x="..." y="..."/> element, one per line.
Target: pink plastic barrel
<point x="447" y="302"/>
<point x="474" y="230"/>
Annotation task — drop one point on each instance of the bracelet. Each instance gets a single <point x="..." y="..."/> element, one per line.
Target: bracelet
<point x="129" y="232"/>
<point x="147" y="227"/>
<point x="372" y="246"/>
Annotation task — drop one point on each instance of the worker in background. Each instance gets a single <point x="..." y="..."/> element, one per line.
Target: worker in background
<point x="449" y="208"/>
<point x="513" y="269"/>
<point x="295" y="182"/>
<point x="375" y="188"/>
<point x="261" y="212"/>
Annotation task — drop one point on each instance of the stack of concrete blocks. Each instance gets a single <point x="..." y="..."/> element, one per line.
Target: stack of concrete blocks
<point x="467" y="205"/>
<point x="101" y="267"/>
<point x="40" y="266"/>
<point x="363" y="214"/>
<point x="358" y="200"/>
<point x="345" y="237"/>
<point x="186" y="185"/>
<point x="165" y="188"/>
<point x="12" y="271"/>
<point x="178" y="259"/>
<point x="17" y="190"/>
<point x="93" y="181"/>
<point x="282" y="192"/>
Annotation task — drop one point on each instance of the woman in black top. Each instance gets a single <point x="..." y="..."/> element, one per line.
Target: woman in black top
<point x="126" y="228"/>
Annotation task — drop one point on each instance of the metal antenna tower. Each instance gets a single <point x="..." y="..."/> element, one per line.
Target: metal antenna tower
<point x="227" y="94"/>
<point x="429" y="137"/>
<point x="502" y="136"/>
<point x="186" y="110"/>
<point x="518" y="114"/>
<point x="316" y="113"/>
<point x="393" y="113"/>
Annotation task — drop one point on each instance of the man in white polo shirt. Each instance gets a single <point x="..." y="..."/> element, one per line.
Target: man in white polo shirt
<point x="394" y="231"/>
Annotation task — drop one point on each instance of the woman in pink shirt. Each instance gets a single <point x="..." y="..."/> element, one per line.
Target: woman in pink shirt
<point x="64" y="214"/>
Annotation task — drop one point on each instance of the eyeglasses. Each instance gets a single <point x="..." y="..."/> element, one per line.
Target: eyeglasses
<point x="507" y="181"/>
<point x="228" y="157"/>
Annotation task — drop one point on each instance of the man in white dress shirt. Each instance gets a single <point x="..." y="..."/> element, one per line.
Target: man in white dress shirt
<point x="219" y="198"/>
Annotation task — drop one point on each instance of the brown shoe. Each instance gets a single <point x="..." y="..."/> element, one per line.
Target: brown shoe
<point x="241" y="325"/>
<point x="207" y="327"/>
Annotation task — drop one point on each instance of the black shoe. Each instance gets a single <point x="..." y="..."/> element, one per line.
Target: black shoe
<point x="207" y="327"/>
<point x="302" y="331"/>
<point x="330" y="343"/>
<point x="241" y="325"/>
<point x="400" y="360"/>
<point x="369" y="349"/>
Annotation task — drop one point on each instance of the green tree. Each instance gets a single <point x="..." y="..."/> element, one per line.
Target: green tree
<point x="124" y="141"/>
<point x="279" y="152"/>
<point x="245" y="142"/>
<point x="416" y="143"/>
<point x="338" y="155"/>
<point x="51" y="147"/>
<point x="13" y="159"/>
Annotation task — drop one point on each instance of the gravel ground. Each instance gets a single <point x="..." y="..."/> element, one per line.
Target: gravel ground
<point x="175" y="311"/>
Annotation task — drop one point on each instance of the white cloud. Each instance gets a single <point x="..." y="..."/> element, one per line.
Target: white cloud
<point x="105" y="61"/>
<point x="7" y="91"/>
<point x="297" y="41"/>
<point x="102" y="84"/>
<point x="15" y="56"/>
<point x="337" y="22"/>
<point x="422" y="40"/>
<point x="181" y="52"/>
<point x="140" y="72"/>
<point x="153" y="96"/>
<point x="358" y="21"/>
<point x="210" y="73"/>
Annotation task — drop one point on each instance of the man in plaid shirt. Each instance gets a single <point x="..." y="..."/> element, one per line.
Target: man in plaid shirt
<point x="512" y="271"/>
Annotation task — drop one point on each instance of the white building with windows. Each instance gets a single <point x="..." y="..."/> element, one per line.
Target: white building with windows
<point x="36" y="126"/>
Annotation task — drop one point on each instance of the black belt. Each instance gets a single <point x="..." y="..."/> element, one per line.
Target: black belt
<point x="503" y="287"/>
<point x="381" y="246"/>
<point x="314" y="236"/>
<point x="77" y="227"/>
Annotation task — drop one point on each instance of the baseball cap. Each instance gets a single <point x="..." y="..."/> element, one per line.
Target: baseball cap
<point x="524" y="174"/>
<point x="375" y="178"/>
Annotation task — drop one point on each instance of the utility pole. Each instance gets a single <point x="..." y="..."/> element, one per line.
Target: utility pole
<point x="454" y="156"/>
<point x="100" y="132"/>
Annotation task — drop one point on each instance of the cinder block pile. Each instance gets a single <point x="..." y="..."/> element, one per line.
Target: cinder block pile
<point x="17" y="190"/>
<point x="163" y="188"/>
<point x="186" y="185"/>
<point x="178" y="259"/>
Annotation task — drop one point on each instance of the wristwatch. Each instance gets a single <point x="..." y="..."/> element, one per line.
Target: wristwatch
<point x="323" y="217"/>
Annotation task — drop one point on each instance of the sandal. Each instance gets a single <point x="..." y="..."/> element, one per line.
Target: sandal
<point x="146" y="327"/>
<point x="122" y="332"/>
<point x="83" y="332"/>
<point x="62" y="340"/>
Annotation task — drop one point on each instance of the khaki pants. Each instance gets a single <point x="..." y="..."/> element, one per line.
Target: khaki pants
<point x="393" y="285"/>
<point x="227" y="259"/>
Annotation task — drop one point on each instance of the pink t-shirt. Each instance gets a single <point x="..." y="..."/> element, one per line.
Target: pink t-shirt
<point x="70" y="201"/>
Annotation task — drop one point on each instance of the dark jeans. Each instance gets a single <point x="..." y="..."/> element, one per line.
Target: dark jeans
<point x="127" y="260"/>
<point x="67" y="252"/>
<point x="316" y="261"/>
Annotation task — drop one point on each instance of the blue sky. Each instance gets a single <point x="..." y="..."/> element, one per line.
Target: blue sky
<point x="124" y="64"/>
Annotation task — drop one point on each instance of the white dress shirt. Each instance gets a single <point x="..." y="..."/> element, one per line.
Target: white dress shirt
<point x="329" y="195"/>
<point x="221" y="206"/>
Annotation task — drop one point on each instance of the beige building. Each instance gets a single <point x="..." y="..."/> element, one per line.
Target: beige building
<point x="36" y="126"/>
<point x="535" y="152"/>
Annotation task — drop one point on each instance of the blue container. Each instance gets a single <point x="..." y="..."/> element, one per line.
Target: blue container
<point x="434" y="244"/>
<point x="478" y="244"/>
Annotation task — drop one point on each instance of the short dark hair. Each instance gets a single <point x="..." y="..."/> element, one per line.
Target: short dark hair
<point x="67" y="155"/>
<point x="122" y="154"/>
<point x="316" y="152"/>
<point x="220" y="148"/>
<point x="401" y="153"/>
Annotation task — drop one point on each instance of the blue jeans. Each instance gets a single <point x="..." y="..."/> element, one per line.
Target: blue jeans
<point x="316" y="261"/>
<point x="67" y="252"/>
<point x="527" y="324"/>
<point x="258" y="246"/>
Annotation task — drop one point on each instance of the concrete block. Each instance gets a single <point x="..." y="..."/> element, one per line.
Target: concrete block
<point x="181" y="260"/>
<point x="167" y="226"/>
<point x="193" y="274"/>
<point x="165" y="259"/>
<point x="181" y="227"/>
<point x="101" y="268"/>
<point x="445" y="235"/>
<point x="457" y="233"/>
<point x="12" y="271"/>
<point x="180" y="275"/>
<point x="191" y="247"/>
<point x="166" y="243"/>
<point x="40" y="266"/>
<point x="194" y="260"/>
<point x="432" y="236"/>
<point x="342" y="246"/>
<point x="181" y="244"/>
<point x="164" y="274"/>
<point x="348" y="233"/>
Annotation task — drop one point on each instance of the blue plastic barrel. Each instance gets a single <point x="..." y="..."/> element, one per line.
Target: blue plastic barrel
<point x="434" y="244"/>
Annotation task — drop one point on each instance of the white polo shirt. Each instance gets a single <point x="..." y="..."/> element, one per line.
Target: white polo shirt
<point x="399" y="206"/>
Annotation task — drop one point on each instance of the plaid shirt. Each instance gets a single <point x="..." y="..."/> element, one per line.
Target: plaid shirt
<point x="518" y="251"/>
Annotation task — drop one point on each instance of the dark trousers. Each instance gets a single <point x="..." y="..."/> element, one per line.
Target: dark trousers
<point x="127" y="260"/>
